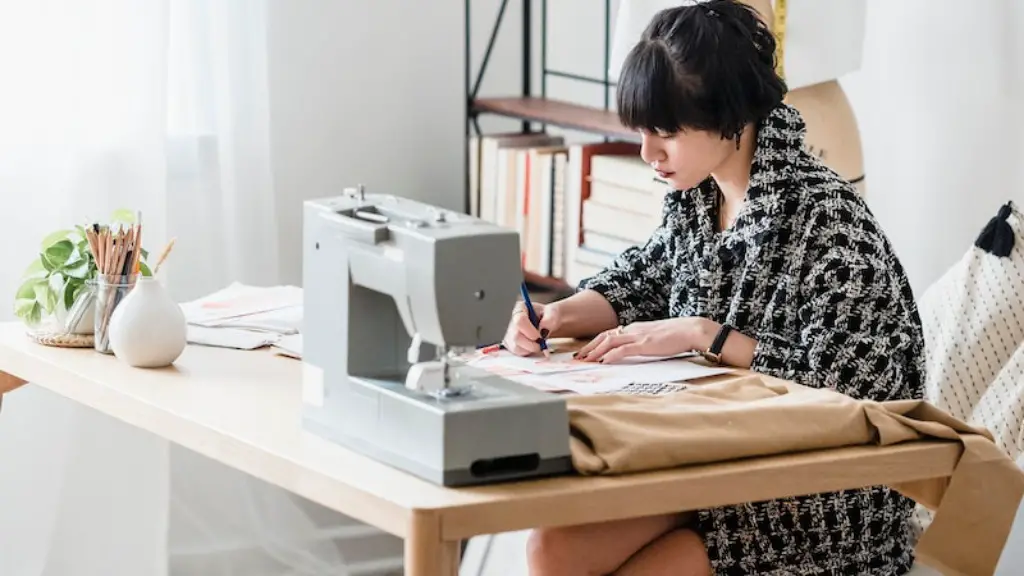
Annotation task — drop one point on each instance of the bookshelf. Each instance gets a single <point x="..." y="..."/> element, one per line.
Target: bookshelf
<point x="528" y="106"/>
<point x="557" y="113"/>
<point x="534" y="108"/>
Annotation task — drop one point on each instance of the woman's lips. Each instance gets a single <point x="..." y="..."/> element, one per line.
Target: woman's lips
<point x="663" y="174"/>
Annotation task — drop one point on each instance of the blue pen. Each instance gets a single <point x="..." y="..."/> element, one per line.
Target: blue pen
<point x="533" y="317"/>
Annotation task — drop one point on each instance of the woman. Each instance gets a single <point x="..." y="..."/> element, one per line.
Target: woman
<point x="771" y="253"/>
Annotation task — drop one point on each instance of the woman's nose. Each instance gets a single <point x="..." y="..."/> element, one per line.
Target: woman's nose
<point x="650" y="151"/>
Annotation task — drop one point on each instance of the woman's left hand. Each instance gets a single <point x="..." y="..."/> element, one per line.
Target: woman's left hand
<point x="658" y="338"/>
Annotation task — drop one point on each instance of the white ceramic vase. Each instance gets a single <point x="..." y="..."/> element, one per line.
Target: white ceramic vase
<point x="147" y="329"/>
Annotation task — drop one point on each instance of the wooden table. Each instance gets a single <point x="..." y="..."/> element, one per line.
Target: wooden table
<point x="243" y="409"/>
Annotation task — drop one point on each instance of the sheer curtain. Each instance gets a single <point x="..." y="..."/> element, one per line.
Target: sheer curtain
<point x="160" y="106"/>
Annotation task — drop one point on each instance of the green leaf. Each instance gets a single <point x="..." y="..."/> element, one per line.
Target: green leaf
<point x="55" y="237"/>
<point x="23" y="306"/>
<point x="46" y="263"/>
<point x="35" y="270"/>
<point x="59" y="253"/>
<point x="55" y="290"/>
<point x="144" y="269"/>
<point x="71" y="289"/>
<point x="45" y="296"/>
<point x="78" y="269"/>
<point x="56" y="281"/>
<point x="27" y="289"/>
<point x="123" y="215"/>
<point x="144" y="252"/>
<point x="35" y="315"/>
<point x="79" y="288"/>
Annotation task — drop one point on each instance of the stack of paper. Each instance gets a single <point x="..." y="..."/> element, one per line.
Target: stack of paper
<point x="562" y="373"/>
<point x="245" y="317"/>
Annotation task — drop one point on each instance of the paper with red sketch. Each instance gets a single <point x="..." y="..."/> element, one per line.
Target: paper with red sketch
<point x="561" y="372"/>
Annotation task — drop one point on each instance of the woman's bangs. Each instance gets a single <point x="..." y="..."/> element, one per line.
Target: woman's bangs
<point x="646" y="96"/>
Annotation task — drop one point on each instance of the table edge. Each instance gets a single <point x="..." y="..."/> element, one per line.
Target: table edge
<point x="387" y="515"/>
<point x="698" y="487"/>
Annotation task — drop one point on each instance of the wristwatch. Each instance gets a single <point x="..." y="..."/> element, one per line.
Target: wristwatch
<point x="714" y="352"/>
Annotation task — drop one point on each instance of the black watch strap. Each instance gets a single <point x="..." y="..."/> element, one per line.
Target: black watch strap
<point x="714" y="352"/>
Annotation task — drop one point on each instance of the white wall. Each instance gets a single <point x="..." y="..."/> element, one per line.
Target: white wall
<point x="937" y="99"/>
<point x="374" y="92"/>
<point x="364" y="92"/>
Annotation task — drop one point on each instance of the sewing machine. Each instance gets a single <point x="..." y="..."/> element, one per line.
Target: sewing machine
<point x="395" y="292"/>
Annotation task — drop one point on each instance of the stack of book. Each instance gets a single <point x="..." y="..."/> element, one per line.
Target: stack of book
<point x="575" y="205"/>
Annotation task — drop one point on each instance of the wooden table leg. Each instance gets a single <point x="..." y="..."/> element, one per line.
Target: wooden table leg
<point x="426" y="554"/>
<point x="8" y="383"/>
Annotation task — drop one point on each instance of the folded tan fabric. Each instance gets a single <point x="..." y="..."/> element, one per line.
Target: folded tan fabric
<point x="759" y="416"/>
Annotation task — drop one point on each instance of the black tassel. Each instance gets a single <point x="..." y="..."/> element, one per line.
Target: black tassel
<point x="997" y="236"/>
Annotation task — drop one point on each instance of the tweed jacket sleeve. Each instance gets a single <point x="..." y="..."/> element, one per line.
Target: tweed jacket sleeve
<point x="859" y="326"/>
<point x="638" y="281"/>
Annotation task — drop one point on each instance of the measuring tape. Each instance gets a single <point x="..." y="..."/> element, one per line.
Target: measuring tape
<point x="780" y="37"/>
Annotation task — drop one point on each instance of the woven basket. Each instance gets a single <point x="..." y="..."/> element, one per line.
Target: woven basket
<point x="61" y="339"/>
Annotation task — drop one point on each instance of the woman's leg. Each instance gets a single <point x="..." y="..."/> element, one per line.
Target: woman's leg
<point x="679" y="553"/>
<point x="593" y="549"/>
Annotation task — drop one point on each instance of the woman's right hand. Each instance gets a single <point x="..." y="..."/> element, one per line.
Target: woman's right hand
<point x="521" y="338"/>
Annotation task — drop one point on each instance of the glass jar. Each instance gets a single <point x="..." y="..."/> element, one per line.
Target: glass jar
<point x="109" y="291"/>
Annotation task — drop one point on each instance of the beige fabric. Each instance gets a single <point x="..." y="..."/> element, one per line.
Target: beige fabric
<point x="759" y="416"/>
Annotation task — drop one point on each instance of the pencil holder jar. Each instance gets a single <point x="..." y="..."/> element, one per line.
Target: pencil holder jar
<point x="109" y="292"/>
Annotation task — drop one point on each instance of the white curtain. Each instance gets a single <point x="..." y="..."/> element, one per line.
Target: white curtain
<point x="160" y="106"/>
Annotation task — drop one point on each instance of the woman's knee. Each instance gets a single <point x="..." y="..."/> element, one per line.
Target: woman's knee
<point x="592" y="549"/>
<point x="553" y="551"/>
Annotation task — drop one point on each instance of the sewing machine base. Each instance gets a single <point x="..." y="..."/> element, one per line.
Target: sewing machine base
<point x="497" y="431"/>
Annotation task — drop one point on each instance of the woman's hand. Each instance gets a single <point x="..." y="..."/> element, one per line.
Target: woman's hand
<point x="657" y="338"/>
<point x="522" y="338"/>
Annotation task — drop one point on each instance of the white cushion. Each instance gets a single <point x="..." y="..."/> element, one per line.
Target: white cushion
<point x="973" y="319"/>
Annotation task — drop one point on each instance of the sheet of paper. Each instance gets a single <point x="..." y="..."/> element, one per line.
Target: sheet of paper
<point x="509" y="364"/>
<point x="238" y="300"/>
<point x="281" y="321"/>
<point x="562" y="373"/>
<point x="230" y="337"/>
<point x="290" y="346"/>
<point x="609" y="378"/>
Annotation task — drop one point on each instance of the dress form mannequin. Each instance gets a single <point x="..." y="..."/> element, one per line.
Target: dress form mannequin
<point x="832" y="132"/>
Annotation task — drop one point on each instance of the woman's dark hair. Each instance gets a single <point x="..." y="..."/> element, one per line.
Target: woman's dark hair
<point x="706" y="66"/>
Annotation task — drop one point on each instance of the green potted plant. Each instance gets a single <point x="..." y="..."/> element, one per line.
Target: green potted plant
<point x="61" y="273"/>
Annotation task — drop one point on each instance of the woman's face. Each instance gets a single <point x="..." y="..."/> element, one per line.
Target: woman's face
<point x="686" y="158"/>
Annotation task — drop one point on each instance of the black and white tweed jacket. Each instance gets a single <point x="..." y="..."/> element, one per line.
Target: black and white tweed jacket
<point x="806" y="271"/>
